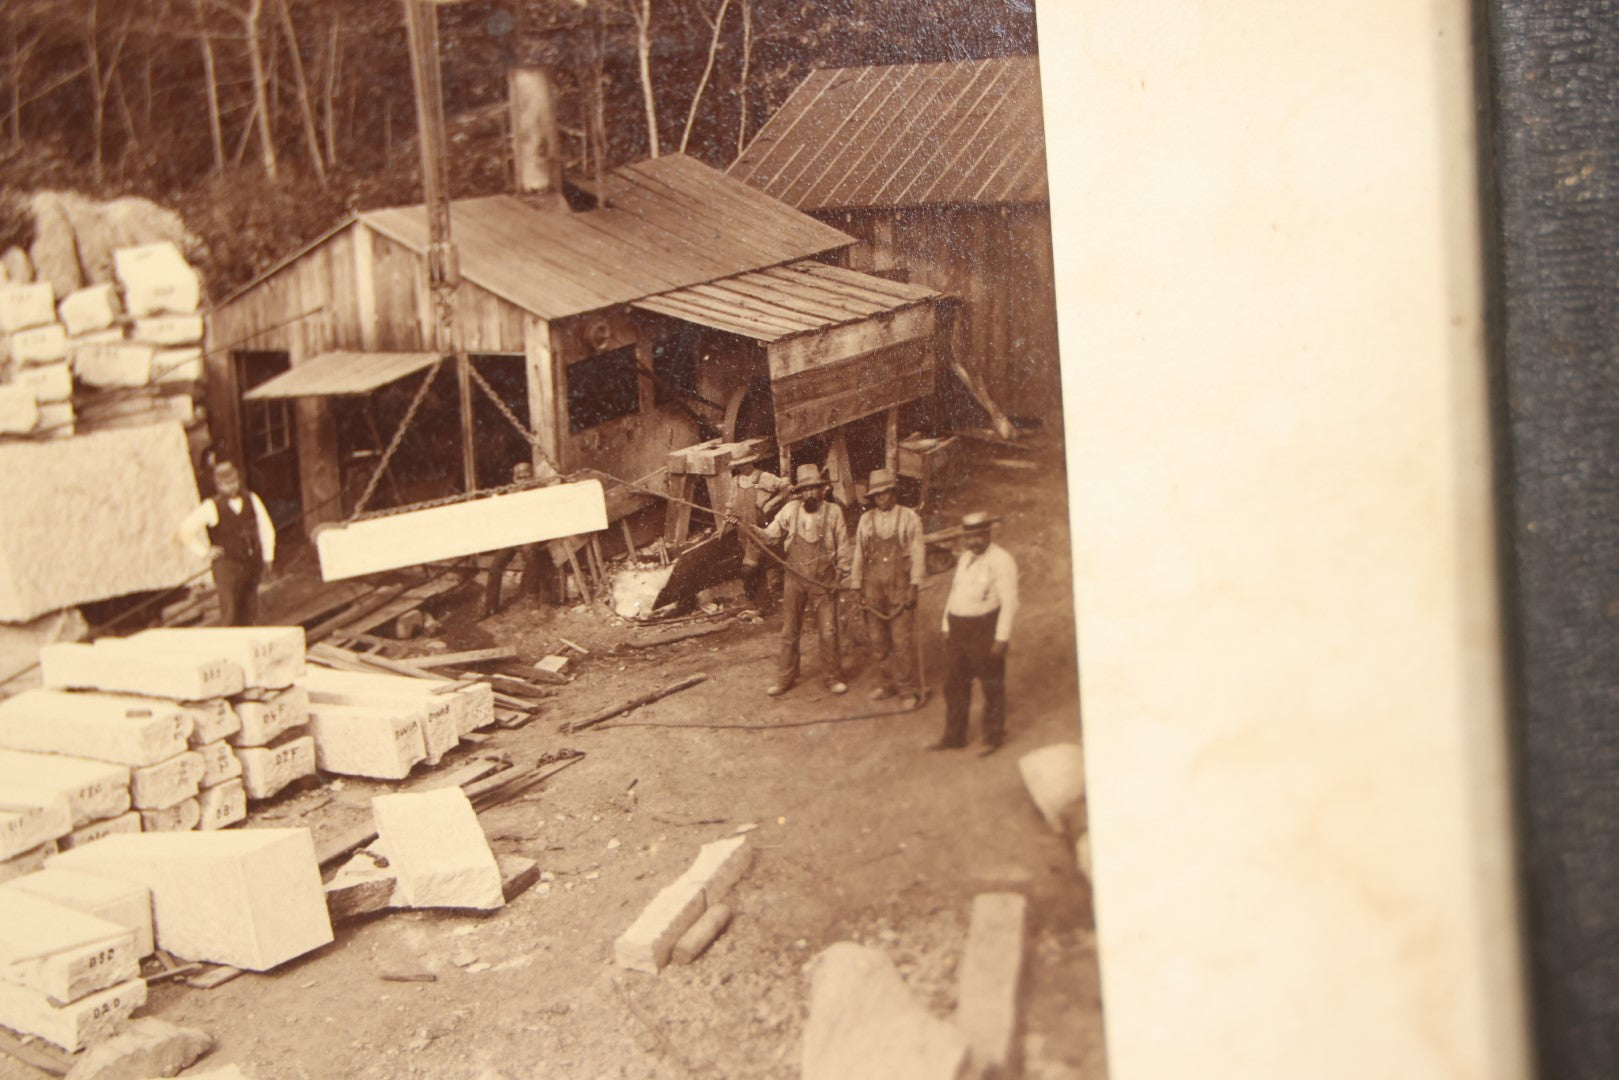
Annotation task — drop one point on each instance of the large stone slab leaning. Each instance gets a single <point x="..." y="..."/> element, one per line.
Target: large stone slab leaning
<point x="94" y="789"/>
<point x="1055" y="777"/>
<point x="127" y="903"/>
<point x="271" y="657"/>
<point x="267" y="770"/>
<point x="865" y="1025"/>
<point x="59" y="952"/>
<point x="250" y="898"/>
<point x="72" y="1027"/>
<point x="437" y="850"/>
<point x="988" y="981"/>
<point x="117" y="728"/>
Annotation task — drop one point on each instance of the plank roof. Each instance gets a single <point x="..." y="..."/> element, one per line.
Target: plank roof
<point x="341" y="372"/>
<point x="670" y="222"/>
<point x="769" y="305"/>
<point x="959" y="132"/>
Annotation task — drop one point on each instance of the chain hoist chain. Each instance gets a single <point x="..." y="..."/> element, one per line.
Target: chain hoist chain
<point x="511" y="417"/>
<point x="398" y="437"/>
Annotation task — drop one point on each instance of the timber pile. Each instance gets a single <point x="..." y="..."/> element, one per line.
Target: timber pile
<point x="121" y="353"/>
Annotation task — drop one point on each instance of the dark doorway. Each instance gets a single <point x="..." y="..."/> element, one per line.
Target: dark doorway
<point x="269" y="439"/>
<point x="498" y="444"/>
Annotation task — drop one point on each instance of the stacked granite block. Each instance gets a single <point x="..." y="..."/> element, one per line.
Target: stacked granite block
<point x="66" y="976"/>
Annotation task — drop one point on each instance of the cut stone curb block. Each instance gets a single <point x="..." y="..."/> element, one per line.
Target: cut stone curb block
<point x="168" y="330"/>
<point x="123" y="823"/>
<point x="864" y="1025"/>
<point x="359" y="740"/>
<point x="107" y="666"/>
<point x="47" y="382"/>
<point x="28" y="862"/>
<point x="247" y="898"/>
<point x="360" y="887"/>
<point x="156" y="280"/>
<point x="263" y="721"/>
<point x="59" y="952"/>
<point x="222" y="805"/>
<point x="266" y="770"/>
<point x="19" y="410"/>
<point x="118" y="728"/>
<point x="219" y="764"/>
<point x="94" y="789"/>
<point x="113" y="364"/>
<point x="181" y="817"/>
<point x="31" y="816"/>
<point x="694" y="942"/>
<point x="518" y="874"/>
<point x="212" y="721"/>
<point x="468" y="708"/>
<point x="651" y="938"/>
<point x="437" y="849"/>
<point x="40" y="345"/>
<point x="270" y="657"/>
<point x="72" y="1027"/>
<point x="156" y="787"/>
<point x="25" y="306"/>
<point x="987" y="982"/>
<point x="88" y="310"/>
<point x="182" y="365"/>
<point x="719" y="866"/>
<point x="1055" y="777"/>
<point x="127" y="903"/>
<point x="146" y="1048"/>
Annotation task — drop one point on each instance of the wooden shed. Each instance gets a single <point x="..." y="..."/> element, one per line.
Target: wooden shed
<point x="940" y="171"/>
<point x="685" y="305"/>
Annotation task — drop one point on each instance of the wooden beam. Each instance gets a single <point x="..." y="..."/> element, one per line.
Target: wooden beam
<point x="891" y="441"/>
<point x="542" y="387"/>
<point x="980" y="393"/>
<point x="805" y="352"/>
<point x="461" y="528"/>
<point x="471" y="656"/>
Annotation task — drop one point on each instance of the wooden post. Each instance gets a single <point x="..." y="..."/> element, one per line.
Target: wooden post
<point x="891" y="442"/>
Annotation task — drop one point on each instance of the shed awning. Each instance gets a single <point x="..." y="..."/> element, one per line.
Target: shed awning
<point x="784" y="301"/>
<point x="337" y="373"/>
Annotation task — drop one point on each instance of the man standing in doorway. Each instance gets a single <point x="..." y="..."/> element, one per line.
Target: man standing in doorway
<point x="233" y="530"/>
<point x="752" y="490"/>
<point x="978" y="625"/>
<point x="889" y="564"/>
<point x="522" y="477"/>
<point x="817" y="550"/>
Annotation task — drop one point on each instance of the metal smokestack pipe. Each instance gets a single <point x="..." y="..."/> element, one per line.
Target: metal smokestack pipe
<point x="536" y="143"/>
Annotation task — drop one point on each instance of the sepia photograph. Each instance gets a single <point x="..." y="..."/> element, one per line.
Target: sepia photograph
<point x="536" y="543"/>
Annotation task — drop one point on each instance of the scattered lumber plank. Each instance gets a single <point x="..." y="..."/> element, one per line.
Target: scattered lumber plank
<point x="411" y="599"/>
<point x="517" y="875"/>
<point x="461" y="659"/>
<point x="1002" y="423"/>
<point x="213" y="975"/>
<point x="408" y="976"/>
<point x="670" y="639"/>
<point x="580" y="649"/>
<point x="634" y="703"/>
<point x="355" y="611"/>
<point x="42" y="1056"/>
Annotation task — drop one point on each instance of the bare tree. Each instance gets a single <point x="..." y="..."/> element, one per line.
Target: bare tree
<point x="216" y="131"/>
<point x="641" y="12"/>
<point x="306" y="109"/>
<point x="249" y="18"/>
<point x="742" y="79"/>
<point x="716" y="24"/>
<point x="99" y="71"/>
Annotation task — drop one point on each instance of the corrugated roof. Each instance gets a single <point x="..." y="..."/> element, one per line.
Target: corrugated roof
<point x="342" y="372"/>
<point x="769" y="305"/>
<point x="670" y="222"/>
<point x="905" y="135"/>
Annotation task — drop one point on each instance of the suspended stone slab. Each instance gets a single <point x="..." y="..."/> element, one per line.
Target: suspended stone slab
<point x="106" y="727"/>
<point x="156" y="280"/>
<point x="464" y="528"/>
<point x="248" y="898"/>
<point x="26" y="305"/>
<point x="59" y="952"/>
<point x="271" y="657"/>
<point x="93" y="517"/>
<point x="437" y="850"/>
<point x="362" y="740"/>
<point x="89" y="310"/>
<point x="127" y="903"/>
<point x="72" y="1027"/>
<point x="110" y="666"/>
<point x="94" y="789"/>
<point x="222" y="805"/>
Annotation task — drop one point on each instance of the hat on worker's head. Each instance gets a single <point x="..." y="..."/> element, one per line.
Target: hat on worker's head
<point x="978" y="521"/>
<point x="881" y="480"/>
<point x="809" y="476"/>
<point x="765" y="451"/>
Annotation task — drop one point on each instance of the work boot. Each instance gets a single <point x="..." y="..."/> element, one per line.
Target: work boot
<point x="882" y="693"/>
<point x="946" y="744"/>
<point x="991" y="744"/>
<point x="779" y="689"/>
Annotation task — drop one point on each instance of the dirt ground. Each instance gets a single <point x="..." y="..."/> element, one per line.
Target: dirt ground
<point x="861" y="835"/>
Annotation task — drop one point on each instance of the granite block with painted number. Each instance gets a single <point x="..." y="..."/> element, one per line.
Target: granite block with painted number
<point x="123" y="823"/>
<point x="31" y="816"/>
<point x="271" y="657"/>
<point x="94" y="789"/>
<point x="27" y="863"/>
<point x="61" y="952"/>
<point x="358" y="740"/>
<point x="183" y="816"/>
<point x="265" y="719"/>
<point x="266" y="770"/>
<point x="438" y="851"/>
<point x="155" y="787"/>
<point x="222" y="805"/>
<point x="105" y="727"/>
<point x="212" y="721"/>
<point x="107" y="665"/>
<point x="440" y="715"/>
<point x="127" y="903"/>
<point x="219" y="763"/>
<point x="249" y="898"/>
<point x="74" y="1026"/>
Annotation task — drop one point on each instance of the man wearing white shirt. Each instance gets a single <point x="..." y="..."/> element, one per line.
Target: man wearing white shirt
<point x="233" y="530"/>
<point x="978" y="626"/>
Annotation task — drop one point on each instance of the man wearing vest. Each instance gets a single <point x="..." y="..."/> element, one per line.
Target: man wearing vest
<point x="233" y="530"/>
<point x="888" y="570"/>
<point x="978" y="625"/>
<point x="817" y="550"/>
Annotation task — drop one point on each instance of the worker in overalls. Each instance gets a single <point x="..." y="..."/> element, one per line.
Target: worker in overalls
<point x="889" y="565"/>
<point x="752" y="490"/>
<point x="817" y="549"/>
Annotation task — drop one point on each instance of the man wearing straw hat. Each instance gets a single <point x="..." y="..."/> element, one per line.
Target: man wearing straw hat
<point x="889" y="564"/>
<point x="978" y="625"/>
<point x="817" y="549"/>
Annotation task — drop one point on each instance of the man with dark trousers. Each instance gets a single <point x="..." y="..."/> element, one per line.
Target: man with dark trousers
<point x="232" y="529"/>
<point x="817" y="549"/>
<point x="889" y="565"/>
<point x="753" y="490"/>
<point x="534" y="556"/>
<point x="978" y="626"/>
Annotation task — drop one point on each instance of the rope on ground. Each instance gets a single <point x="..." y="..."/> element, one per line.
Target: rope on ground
<point x="814" y="722"/>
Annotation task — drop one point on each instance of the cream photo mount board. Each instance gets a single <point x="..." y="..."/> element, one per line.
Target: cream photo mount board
<point x="434" y="533"/>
